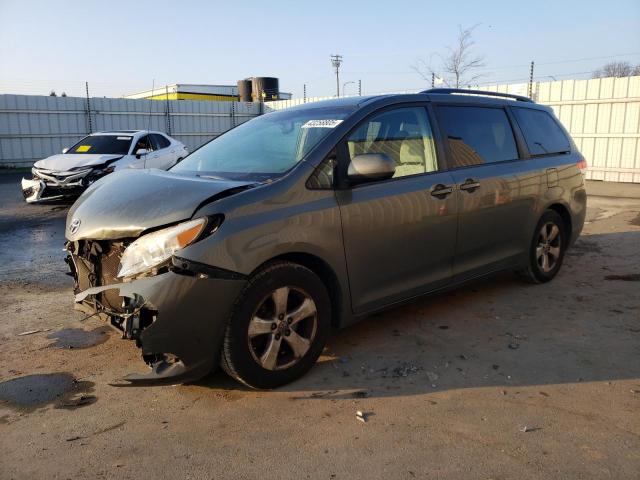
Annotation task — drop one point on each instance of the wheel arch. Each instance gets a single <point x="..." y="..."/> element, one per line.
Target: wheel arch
<point x="327" y="275"/>
<point x="563" y="211"/>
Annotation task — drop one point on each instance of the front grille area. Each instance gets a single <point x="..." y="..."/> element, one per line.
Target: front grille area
<point x="109" y="264"/>
<point x="96" y="263"/>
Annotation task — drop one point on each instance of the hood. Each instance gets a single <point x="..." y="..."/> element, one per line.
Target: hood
<point x="125" y="203"/>
<point x="67" y="161"/>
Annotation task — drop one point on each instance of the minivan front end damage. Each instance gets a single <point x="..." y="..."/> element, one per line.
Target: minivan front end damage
<point x="177" y="314"/>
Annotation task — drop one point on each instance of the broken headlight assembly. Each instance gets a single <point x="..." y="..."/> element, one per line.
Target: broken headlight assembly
<point x="99" y="172"/>
<point x="153" y="249"/>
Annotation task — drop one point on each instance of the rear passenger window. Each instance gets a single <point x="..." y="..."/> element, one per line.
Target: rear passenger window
<point x="477" y="135"/>
<point x="541" y="132"/>
<point x="403" y="134"/>
<point x="160" y="141"/>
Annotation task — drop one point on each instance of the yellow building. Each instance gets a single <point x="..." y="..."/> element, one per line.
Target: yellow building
<point x="185" y="91"/>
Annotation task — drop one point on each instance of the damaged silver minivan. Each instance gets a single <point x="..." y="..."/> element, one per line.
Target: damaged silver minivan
<point x="247" y="252"/>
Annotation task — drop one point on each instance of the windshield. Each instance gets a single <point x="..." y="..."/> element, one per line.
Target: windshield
<point x="103" y="144"/>
<point x="265" y="147"/>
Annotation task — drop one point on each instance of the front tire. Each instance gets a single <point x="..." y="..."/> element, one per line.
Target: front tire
<point x="278" y="328"/>
<point x="547" y="248"/>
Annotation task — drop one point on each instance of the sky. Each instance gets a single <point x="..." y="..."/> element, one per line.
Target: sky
<point x="123" y="47"/>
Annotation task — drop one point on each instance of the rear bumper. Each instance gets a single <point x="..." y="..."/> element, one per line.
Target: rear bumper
<point x="189" y="314"/>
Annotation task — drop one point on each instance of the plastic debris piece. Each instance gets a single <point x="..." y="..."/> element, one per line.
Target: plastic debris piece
<point x="527" y="429"/>
<point x="361" y="416"/>
<point x="28" y="332"/>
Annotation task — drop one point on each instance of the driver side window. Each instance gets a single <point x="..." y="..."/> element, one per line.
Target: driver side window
<point x="403" y="134"/>
<point x="143" y="142"/>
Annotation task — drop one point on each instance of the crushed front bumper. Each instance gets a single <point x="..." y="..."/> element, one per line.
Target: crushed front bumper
<point x="38" y="190"/>
<point x="184" y="321"/>
<point x="49" y="185"/>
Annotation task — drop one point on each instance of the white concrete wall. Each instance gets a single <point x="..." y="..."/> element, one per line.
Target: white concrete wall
<point x="34" y="127"/>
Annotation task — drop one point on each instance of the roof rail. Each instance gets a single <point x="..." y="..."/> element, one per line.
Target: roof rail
<point x="519" y="98"/>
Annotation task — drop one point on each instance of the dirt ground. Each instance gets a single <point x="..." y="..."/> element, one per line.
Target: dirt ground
<point x="497" y="380"/>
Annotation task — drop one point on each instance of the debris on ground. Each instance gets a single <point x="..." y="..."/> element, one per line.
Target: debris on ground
<point x="514" y="346"/>
<point x="73" y="439"/>
<point x="628" y="277"/>
<point x="29" y="332"/>
<point x="361" y="416"/>
<point x="633" y="390"/>
<point x="79" y="401"/>
<point x="405" y="370"/>
<point x="527" y="429"/>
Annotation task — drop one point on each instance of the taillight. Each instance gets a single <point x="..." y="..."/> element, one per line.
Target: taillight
<point x="582" y="165"/>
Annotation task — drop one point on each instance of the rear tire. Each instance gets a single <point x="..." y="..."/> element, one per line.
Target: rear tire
<point x="547" y="249"/>
<point x="278" y="328"/>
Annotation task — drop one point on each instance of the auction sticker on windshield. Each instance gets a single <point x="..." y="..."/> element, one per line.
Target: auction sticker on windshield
<point x="322" y="124"/>
<point x="83" y="148"/>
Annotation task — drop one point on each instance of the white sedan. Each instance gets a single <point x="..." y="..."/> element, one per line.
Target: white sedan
<point x="96" y="155"/>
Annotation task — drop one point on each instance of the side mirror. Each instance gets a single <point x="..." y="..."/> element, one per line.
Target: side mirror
<point x="65" y="150"/>
<point x="141" y="151"/>
<point x="368" y="167"/>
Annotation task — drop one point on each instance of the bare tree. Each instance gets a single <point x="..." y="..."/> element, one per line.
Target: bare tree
<point x="617" y="69"/>
<point x="457" y="65"/>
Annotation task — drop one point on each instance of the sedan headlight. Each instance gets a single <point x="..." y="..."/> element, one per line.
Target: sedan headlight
<point x="155" y="248"/>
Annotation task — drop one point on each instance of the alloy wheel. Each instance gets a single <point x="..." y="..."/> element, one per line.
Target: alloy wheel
<point x="549" y="247"/>
<point x="282" y="328"/>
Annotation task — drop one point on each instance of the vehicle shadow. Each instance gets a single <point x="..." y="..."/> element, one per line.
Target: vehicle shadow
<point x="498" y="332"/>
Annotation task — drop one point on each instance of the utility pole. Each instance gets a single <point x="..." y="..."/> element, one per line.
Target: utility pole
<point x="336" y="61"/>
<point x="304" y="93"/>
<point x="168" y="112"/>
<point x="433" y="79"/>
<point x="531" y="81"/>
<point x="359" y="88"/>
<point x="90" y="127"/>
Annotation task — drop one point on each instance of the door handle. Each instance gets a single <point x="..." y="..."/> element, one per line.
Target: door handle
<point x="470" y="185"/>
<point x="441" y="191"/>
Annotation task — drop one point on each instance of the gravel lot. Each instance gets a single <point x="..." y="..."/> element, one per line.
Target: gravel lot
<point x="499" y="379"/>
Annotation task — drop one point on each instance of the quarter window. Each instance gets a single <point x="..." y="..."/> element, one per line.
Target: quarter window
<point x="541" y="132"/>
<point x="477" y="135"/>
<point x="403" y="134"/>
